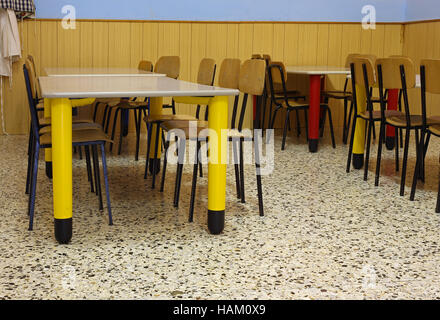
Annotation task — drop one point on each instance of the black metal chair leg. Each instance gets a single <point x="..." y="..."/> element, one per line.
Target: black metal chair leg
<point x="344" y="128"/>
<point x="80" y="153"/>
<point x="181" y="157"/>
<point x="242" y="192"/>
<point x="121" y="130"/>
<point x="379" y="152"/>
<point x="199" y="146"/>
<point x="350" y="114"/>
<point x="350" y="148"/>
<point x="417" y="169"/>
<point x="104" y="116"/>
<point x="298" y="124"/>
<point x="33" y="191"/>
<point x="29" y="167"/>
<point x="156" y="151"/>
<point x="114" y="127"/>
<point x="98" y="176"/>
<point x="332" y="132"/>
<point x="138" y="131"/>
<point x="367" y="156"/>
<point x="283" y="146"/>
<point x="89" y="167"/>
<point x="236" y="168"/>
<point x="405" y="162"/>
<point x="149" y="134"/>
<point x="258" y="172"/>
<point x="194" y="184"/>
<point x="107" y="125"/>
<point x="107" y="189"/>
<point x="307" y="124"/>
<point x="165" y="163"/>
<point x="397" y="148"/>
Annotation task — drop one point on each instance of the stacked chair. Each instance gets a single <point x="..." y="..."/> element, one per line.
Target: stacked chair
<point x="83" y="135"/>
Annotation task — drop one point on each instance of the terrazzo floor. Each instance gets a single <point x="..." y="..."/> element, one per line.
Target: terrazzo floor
<point x="326" y="234"/>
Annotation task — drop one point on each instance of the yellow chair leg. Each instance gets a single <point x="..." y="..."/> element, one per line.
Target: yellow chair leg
<point x="359" y="136"/>
<point x="218" y="122"/>
<point x="62" y="168"/>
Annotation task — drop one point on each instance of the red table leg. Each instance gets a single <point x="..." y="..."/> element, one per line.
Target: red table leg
<point x="314" y="112"/>
<point x="393" y="100"/>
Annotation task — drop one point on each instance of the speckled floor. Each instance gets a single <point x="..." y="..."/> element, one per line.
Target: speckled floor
<point x="326" y="234"/>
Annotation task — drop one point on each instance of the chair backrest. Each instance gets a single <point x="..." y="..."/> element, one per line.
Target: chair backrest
<point x="251" y="82"/>
<point x="359" y="78"/>
<point x="396" y="73"/>
<point x="392" y="75"/>
<point x="229" y="75"/>
<point x="252" y="74"/>
<point x="362" y="75"/>
<point x="145" y="65"/>
<point x="206" y="74"/>
<point x="257" y="56"/>
<point x="35" y="124"/>
<point x="168" y="65"/>
<point x="430" y="75"/>
<point x="32" y="78"/>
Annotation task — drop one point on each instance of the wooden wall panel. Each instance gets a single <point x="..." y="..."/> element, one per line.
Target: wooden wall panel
<point x="124" y="43"/>
<point x="422" y="42"/>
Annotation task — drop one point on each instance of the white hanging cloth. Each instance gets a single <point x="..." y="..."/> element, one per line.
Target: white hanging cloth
<point x="10" y="48"/>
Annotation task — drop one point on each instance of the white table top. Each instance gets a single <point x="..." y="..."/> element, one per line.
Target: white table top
<point x="56" y="72"/>
<point x="317" y="70"/>
<point x="123" y="86"/>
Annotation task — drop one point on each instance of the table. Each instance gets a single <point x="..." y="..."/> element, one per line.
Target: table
<point x="91" y="72"/>
<point x="57" y="92"/>
<point x="315" y="74"/>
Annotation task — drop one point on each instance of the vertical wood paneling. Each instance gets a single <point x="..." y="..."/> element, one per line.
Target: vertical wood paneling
<point x="122" y="44"/>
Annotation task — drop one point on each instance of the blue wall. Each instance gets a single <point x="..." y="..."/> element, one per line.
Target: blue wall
<point x="422" y="10"/>
<point x="227" y="10"/>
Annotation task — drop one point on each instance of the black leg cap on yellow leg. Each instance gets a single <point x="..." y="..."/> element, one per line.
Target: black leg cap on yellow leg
<point x="216" y="221"/>
<point x="313" y="145"/>
<point x="49" y="170"/>
<point x="390" y="143"/>
<point x="63" y="230"/>
<point x="358" y="161"/>
<point x="154" y="163"/>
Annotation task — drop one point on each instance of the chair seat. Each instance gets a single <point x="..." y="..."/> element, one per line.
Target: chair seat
<point x="377" y="114"/>
<point x="75" y="126"/>
<point x="79" y="136"/>
<point x="337" y="94"/>
<point x="416" y="121"/>
<point x="111" y="102"/>
<point x="47" y="121"/>
<point x="169" y="117"/>
<point x="435" y="130"/>
<point x="296" y="104"/>
<point x="190" y="133"/>
<point x="128" y="104"/>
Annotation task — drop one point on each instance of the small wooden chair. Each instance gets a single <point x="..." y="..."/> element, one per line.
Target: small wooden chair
<point x="249" y="79"/>
<point x="398" y="73"/>
<point x="430" y="83"/>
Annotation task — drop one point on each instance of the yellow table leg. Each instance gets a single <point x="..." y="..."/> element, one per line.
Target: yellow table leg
<point x="62" y="168"/>
<point x="218" y="121"/>
<point x="48" y="151"/>
<point x="156" y="108"/>
<point x="359" y="135"/>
